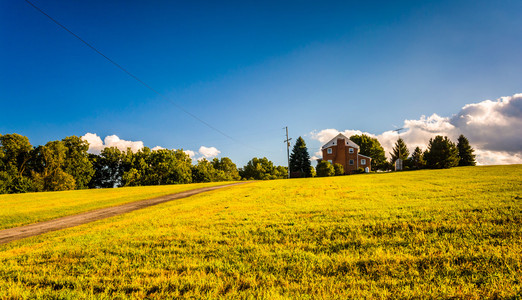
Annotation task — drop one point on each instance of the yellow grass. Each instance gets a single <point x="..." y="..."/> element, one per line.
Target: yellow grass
<point x="424" y="234"/>
<point x="22" y="209"/>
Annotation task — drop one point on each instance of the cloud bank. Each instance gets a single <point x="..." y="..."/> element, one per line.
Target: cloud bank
<point x="493" y="128"/>
<point x="96" y="145"/>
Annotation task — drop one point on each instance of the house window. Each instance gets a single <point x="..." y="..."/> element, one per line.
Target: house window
<point x="330" y="161"/>
<point x="329" y="151"/>
<point x="351" y="150"/>
<point x="351" y="162"/>
<point x="363" y="161"/>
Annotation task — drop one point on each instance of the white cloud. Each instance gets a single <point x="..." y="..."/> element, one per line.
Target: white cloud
<point x="96" y="145"/>
<point x="95" y="142"/>
<point x="190" y="153"/>
<point x="209" y="152"/>
<point x="492" y="127"/>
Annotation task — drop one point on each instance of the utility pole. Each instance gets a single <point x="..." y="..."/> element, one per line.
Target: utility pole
<point x="287" y="142"/>
<point x="398" y="167"/>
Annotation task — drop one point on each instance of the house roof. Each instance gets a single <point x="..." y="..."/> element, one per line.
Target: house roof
<point x="333" y="142"/>
<point x="364" y="156"/>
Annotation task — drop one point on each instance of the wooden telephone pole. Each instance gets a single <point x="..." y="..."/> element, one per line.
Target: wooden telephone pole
<point x="287" y="142"/>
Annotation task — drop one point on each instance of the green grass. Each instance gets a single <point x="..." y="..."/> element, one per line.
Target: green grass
<point x="22" y="209"/>
<point x="424" y="234"/>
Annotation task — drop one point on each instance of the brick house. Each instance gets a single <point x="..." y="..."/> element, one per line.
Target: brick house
<point x="341" y="150"/>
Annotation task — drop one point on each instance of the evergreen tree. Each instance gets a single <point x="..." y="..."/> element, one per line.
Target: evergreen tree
<point x="399" y="151"/>
<point x="441" y="153"/>
<point x="417" y="159"/>
<point x="300" y="160"/>
<point x="467" y="158"/>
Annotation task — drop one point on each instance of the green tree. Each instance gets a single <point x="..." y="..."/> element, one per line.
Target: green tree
<point x="204" y="171"/>
<point x="400" y="150"/>
<point x="467" y="158"/>
<point x="229" y="168"/>
<point x="441" y="153"/>
<point x="324" y="169"/>
<point x="108" y="168"/>
<point x="168" y="167"/>
<point x="15" y="153"/>
<point x="48" y="173"/>
<point x="371" y="147"/>
<point x="417" y="159"/>
<point x="338" y="169"/>
<point x="261" y="169"/>
<point x="77" y="163"/>
<point x="300" y="160"/>
<point x="312" y="171"/>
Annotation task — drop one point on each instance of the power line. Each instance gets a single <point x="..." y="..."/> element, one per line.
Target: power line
<point x="139" y="80"/>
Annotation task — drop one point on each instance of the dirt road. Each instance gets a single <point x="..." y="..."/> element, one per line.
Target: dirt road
<point x="17" y="233"/>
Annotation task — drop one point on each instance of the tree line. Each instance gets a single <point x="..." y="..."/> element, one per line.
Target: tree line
<point x="67" y="165"/>
<point x="440" y="153"/>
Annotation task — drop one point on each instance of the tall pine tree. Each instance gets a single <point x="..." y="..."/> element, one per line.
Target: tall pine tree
<point x="399" y="151"/>
<point x="417" y="159"/>
<point x="467" y="158"/>
<point x="300" y="160"/>
<point x="441" y="154"/>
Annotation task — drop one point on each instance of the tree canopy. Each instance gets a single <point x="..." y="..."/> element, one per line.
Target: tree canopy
<point x="441" y="153"/>
<point x="371" y="147"/>
<point x="262" y="169"/>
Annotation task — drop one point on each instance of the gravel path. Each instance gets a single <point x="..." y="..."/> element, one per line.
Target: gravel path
<point x="17" y="233"/>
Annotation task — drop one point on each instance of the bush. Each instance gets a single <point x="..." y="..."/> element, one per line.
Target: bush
<point x="325" y="169"/>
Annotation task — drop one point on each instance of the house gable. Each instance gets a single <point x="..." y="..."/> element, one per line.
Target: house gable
<point x="340" y="136"/>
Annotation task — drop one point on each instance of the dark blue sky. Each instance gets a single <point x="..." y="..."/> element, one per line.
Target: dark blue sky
<point x="249" y="69"/>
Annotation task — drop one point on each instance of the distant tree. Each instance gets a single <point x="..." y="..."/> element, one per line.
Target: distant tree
<point x="15" y="155"/>
<point x="168" y="167"/>
<point x="300" y="160"/>
<point x="324" y="169"/>
<point x="399" y="148"/>
<point x="467" y="158"/>
<point x="132" y="177"/>
<point x="77" y="163"/>
<point x="228" y="168"/>
<point x="371" y="147"/>
<point x="108" y="168"/>
<point x="204" y="171"/>
<point x="441" y="153"/>
<point x="338" y="169"/>
<point x="417" y="159"/>
<point x="261" y="169"/>
<point x="48" y="173"/>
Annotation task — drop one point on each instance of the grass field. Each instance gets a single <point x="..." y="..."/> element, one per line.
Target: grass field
<point x="22" y="209"/>
<point x="428" y="234"/>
